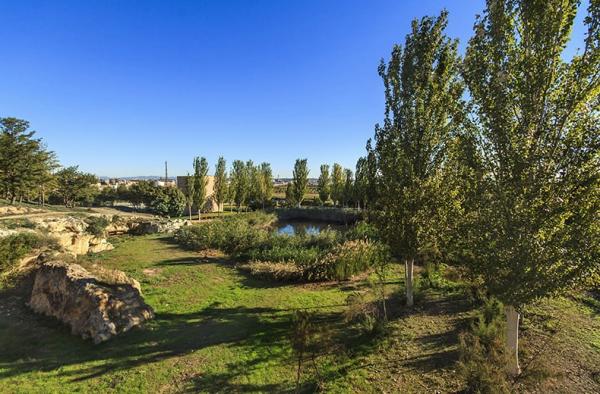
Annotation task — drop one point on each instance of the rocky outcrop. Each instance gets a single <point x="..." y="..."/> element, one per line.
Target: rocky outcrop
<point x="142" y="226"/>
<point x="71" y="234"/>
<point x="96" y="308"/>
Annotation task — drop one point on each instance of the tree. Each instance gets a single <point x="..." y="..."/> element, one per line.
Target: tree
<point x="239" y="183"/>
<point x="423" y="102"/>
<point x="300" y="180"/>
<point x="252" y="174"/>
<point x="200" y="181"/>
<point x="189" y="194"/>
<point x="532" y="227"/>
<point x="337" y="183"/>
<point x="25" y="164"/>
<point x="75" y="186"/>
<point x="348" y="187"/>
<point x="220" y="186"/>
<point x="168" y="201"/>
<point x="266" y="183"/>
<point x="361" y="182"/>
<point x="324" y="184"/>
<point x="290" y="198"/>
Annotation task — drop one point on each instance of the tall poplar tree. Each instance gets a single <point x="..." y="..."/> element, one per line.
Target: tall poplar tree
<point x="324" y="184"/>
<point x="422" y="100"/>
<point x="189" y="193"/>
<point x="348" y="187"/>
<point x="220" y="185"/>
<point x="337" y="183"/>
<point x="266" y="183"/>
<point x="532" y="228"/>
<point x="200" y="180"/>
<point x="300" y="180"/>
<point x="239" y="183"/>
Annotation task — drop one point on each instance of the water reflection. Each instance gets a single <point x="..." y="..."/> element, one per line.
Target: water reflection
<point x="304" y="228"/>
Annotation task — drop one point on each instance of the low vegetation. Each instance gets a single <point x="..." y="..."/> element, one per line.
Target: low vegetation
<point x="328" y="255"/>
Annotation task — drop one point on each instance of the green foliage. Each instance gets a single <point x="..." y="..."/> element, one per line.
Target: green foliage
<point x="221" y="184"/>
<point x="75" y="187"/>
<point x="240" y="183"/>
<point x="97" y="225"/>
<point x="324" y="184"/>
<point x="25" y="164"/>
<point x="199" y="181"/>
<point x="482" y="355"/>
<point x="337" y="184"/>
<point x="300" y="181"/>
<point x="529" y="222"/>
<point x="14" y="247"/>
<point x="348" y="195"/>
<point x="363" y="230"/>
<point x="167" y="201"/>
<point x="365" y="313"/>
<point x="423" y="106"/>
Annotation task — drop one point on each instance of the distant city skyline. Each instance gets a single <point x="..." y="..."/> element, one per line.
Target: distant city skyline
<point x="119" y="87"/>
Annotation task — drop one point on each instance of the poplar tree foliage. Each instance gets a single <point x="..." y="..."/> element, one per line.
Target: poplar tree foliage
<point x="189" y="194"/>
<point x="26" y="165"/>
<point x="324" y="184"/>
<point x="239" y="183"/>
<point x="220" y="186"/>
<point x="361" y="183"/>
<point x="300" y="180"/>
<point x="348" y="187"/>
<point x="532" y="229"/>
<point x="337" y="183"/>
<point x="200" y="180"/>
<point x="423" y="98"/>
<point x="266" y="183"/>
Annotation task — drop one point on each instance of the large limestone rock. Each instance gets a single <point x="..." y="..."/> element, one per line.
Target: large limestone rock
<point x="92" y="307"/>
<point x="70" y="232"/>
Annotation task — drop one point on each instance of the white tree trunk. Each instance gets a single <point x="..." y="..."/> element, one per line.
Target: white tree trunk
<point x="408" y="275"/>
<point x="512" y="339"/>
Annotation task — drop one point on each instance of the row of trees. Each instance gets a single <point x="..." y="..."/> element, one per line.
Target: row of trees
<point x="491" y="161"/>
<point x="246" y="185"/>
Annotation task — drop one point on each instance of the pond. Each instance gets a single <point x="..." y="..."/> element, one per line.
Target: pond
<point x="304" y="227"/>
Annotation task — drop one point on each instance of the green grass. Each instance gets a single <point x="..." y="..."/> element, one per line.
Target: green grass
<point x="218" y="330"/>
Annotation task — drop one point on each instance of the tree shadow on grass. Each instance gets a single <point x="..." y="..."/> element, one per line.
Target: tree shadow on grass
<point x="35" y="343"/>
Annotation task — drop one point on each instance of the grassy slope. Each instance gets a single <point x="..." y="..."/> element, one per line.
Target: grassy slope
<point x="218" y="330"/>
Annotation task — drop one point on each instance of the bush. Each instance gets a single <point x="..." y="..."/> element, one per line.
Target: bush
<point x="97" y="225"/>
<point x="345" y="260"/>
<point x="482" y="356"/>
<point x="15" y="247"/>
<point x="363" y="230"/>
<point x="286" y="272"/>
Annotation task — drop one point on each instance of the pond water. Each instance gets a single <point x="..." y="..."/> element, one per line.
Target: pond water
<point x="302" y="227"/>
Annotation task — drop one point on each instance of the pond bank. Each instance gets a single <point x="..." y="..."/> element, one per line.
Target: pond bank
<point x="320" y="214"/>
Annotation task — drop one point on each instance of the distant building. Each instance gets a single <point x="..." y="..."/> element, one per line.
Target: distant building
<point x="210" y="204"/>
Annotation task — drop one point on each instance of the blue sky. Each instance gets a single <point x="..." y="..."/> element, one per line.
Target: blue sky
<point x="118" y="87"/>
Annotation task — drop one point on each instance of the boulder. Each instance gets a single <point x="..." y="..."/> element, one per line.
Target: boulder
<point x="92" y="307"/>
<point x="70" y="232"/>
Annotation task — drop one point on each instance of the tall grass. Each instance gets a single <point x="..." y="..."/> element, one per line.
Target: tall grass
<point x="312" y="257"/>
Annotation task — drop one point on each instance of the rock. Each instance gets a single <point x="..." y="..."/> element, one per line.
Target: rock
<point x="91" y="307"/>
<point x="70" y="232"/>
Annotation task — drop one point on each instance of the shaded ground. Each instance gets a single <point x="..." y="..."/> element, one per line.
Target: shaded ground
<point x="217" y="330"/>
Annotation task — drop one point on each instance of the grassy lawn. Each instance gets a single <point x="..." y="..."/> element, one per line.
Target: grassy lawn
<point x="217" y="330"/>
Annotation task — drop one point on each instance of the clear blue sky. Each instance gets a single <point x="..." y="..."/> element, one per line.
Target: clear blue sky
<point x="118" y="87"/>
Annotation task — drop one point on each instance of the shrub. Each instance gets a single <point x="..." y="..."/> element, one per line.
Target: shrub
<point x="482" y="356"/>
<point x="97" y="225"/>
<point x="15" y="247"/>
<point x="345" y="260"/>
<point x="363" y="230"/>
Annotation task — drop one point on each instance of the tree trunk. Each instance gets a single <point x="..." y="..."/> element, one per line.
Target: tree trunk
<point x="408" y="275"/>
<point x="190" y="211"/>
<point x="512" y="339"/>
